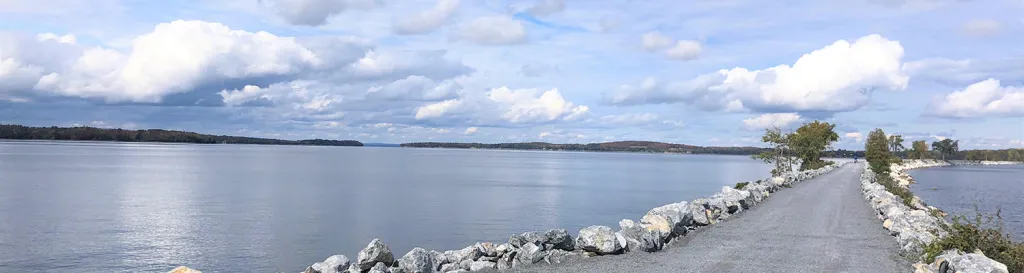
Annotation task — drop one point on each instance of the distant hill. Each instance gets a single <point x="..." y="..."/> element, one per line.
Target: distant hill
<point x="150" y="135"/>
<point x="617" y="146"/>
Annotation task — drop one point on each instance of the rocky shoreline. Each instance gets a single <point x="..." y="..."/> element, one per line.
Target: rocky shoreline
<point x="651" y="233"/>
<point x="916" y="226"/>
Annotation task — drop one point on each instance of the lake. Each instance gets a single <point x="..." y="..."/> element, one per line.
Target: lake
<point x="959" y="189"/>
<point x="132" y="207"/>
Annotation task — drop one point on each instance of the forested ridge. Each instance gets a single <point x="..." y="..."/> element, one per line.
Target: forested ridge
<point x="149" y="135"/>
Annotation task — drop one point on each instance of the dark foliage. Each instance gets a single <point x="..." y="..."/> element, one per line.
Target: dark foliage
<point x="981" y="233"/>
<point x="151" y="135"/>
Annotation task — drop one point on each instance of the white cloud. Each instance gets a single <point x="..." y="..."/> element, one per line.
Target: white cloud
<point x="314" y="12"/>
<point x="471" y="131"/>
<point x="964" y="72"/>
<point x="417" y="88"/>
<point x="543" y="134"/>
<point x="654" y="40"/>
<point x="547" y="7"/>
<point x="629" y="119"/>
<point x="838" y="77"/>
<point x="981" y="27"/>
<point x="985" y="98"/>
<point x="493" y="30"/>
<point x="772" y="120"/>
<point x="855" y="136"/>
<point x="685" y="50"/>
<point x="64" y="39"/>
<point x="428" y="20"/>
<point x="297" y="98"/>
<point x="507" y="105"/>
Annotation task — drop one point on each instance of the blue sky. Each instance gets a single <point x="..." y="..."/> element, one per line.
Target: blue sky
<point x="694" y="72"/>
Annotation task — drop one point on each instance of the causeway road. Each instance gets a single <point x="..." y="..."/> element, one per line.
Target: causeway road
<point x="820" y="225"/>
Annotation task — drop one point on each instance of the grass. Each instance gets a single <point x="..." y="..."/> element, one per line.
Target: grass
<point x="983" y="233"/>
<point x="740" y="185"/>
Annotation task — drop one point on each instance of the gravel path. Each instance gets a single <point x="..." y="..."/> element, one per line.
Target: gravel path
<point x="820" y="225"/>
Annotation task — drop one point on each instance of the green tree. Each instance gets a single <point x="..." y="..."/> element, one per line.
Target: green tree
<point x="810" y="141"/>
<point x="896" y="143"/>
<point x="779" y="153"/>
<point x="876" y="152"/>
<point x="946" y="147"/>
<point x="919" y="149"/>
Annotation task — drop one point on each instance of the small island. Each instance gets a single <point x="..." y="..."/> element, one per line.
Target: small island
<point x="20" y="132"/>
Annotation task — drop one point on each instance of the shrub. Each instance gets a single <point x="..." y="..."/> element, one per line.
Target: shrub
<point x="984" y="233"/>
<point x="740" y="185"/>
<point x="895" y="189"/>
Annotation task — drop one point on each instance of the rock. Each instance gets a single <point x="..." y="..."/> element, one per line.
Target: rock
<point x="972" y="262"/>
<point x="699" y="214"/>
<point x="737" y="199"/>
<point x="639" y="239"/>
<point x="438" y="258"/>
<point x="530" y="254"/>
<point x="532" y="237"/>
<point x="334" y="264"/>
<point x="183" y="269"/>
<point x="505" y="262"/>
<point x="380" y="268"/>
<point x="355" y="268"/>
<point x="486" y="249"/>
<point x="559" y="239"/>
<point x="418" y="260"/>
<point x="598" y="239"/>
<point x="375" y="252"/>
<point x="449" y="267"/>
<point x="479" y="265"/>
<point x="468" y="253"/>
<point x="887" y="224"/>
<point x="503" y="248"/>
<point x="558" y="256"/>
<point x="669" y="220"/>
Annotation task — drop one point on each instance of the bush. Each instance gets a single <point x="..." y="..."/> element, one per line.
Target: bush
<point x="895" y="189"/>
<point x="983" y="233"/>
<point x="740" y="185"/>
<point x="813" y="165"/>
<point x="877" y="152"/>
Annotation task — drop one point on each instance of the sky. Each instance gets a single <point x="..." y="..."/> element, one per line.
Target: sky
<point x="565" y="71"/>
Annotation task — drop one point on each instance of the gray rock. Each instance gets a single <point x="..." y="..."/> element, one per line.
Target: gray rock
<point x="718" y="209"/>
<point x="439" y="259"/>
<point x="533" y="237"/>
<point x="558" y="256"/>
<point x="487" y="249"/>
<point x="468" y="253"/>
<point x="315" y="268"/>
<point x="375" y="252"/>
<point x="335" y="264"/>
<point x="559" y="239"/>
<point x="698" y="213"/>
<point x="639" y="239"/>
<point x="380" y="268"/>
<point x="598" y="239"/>
<point x="972" y="263"/>
<point x="418" y="260"/>
<point x="449" y="267"/>
<point x="505" y="262"/>
<point x="464" y="264"/>
<point x="530" y="254"/>
<point x="503" y="248"/>
<point x="481" y="265"/>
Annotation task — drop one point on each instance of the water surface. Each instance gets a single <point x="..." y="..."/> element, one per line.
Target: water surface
<point x="959" y="189"/>
<point x="131" y="207"/>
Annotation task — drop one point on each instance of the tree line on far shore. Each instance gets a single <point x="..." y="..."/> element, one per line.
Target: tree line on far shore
<point x="150" y="135"/>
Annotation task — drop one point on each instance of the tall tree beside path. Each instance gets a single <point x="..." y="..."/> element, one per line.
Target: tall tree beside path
<point x="876" y="152"/>
<point x="896" y="143"/>
<point x="919" y="149"/>
<point x="779" y="153"/>
<point x="946" y="147"/>
<point x="810" y="141"/>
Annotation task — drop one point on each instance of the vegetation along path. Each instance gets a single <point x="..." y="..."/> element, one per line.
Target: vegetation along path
<point x="821" y="225"/>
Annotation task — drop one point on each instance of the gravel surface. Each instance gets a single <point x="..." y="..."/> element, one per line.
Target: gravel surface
<point x="820" y="225"/>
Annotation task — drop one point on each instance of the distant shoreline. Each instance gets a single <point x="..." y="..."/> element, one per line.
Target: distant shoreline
<point x="84" y="133"/>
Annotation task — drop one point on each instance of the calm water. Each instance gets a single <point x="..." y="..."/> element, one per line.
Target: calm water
<point x="107" y="207"/>
<point x="958" y="189"/>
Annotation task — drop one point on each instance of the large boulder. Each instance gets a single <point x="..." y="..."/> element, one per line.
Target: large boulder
<point x="333" y="264"/>
<point x="375" y="252"/>
<point x="598" y="239"/>
<point x="487" y="249"/>
<point x="532" y="237"/>
<point x="418" y="260"/>
<point x="970" y="263"/>
<point x="530" y="254"/>
<point x="505" y="262"/>
<point x="468" y="253"/>
<point x="638" y="238"/>
<point x="700" y="214"/>
<point x="379" y="268"/>
<point x="438" y="258"/>
<point x="481" y="265"/>
<point x="558" y="256"/>
<point x="669" y="220"/>
<point x="558" y="239"/>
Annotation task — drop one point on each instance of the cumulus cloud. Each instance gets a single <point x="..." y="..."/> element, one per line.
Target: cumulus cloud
<point x="522" y="106"/>
<point x="416" y="88"/>
<point x="653" y="41"/>
<point x="855" y="136"/>
<point x="65" y="39"/>
<point x="397" y="64"/>
<point x="426" y="21"/>
<point x="314" y="12"/>
<point x="985" y="98"/>
<point x="835" y="78"/>
<point x="493" y="30"/>
<point x="981" y="27"/>
<point x="685" y="50"/>
<point x="765" y="121"/>
<point x="471" y="131"/>
<point x="301" y="96"/>
<point x="546" y="7"/>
